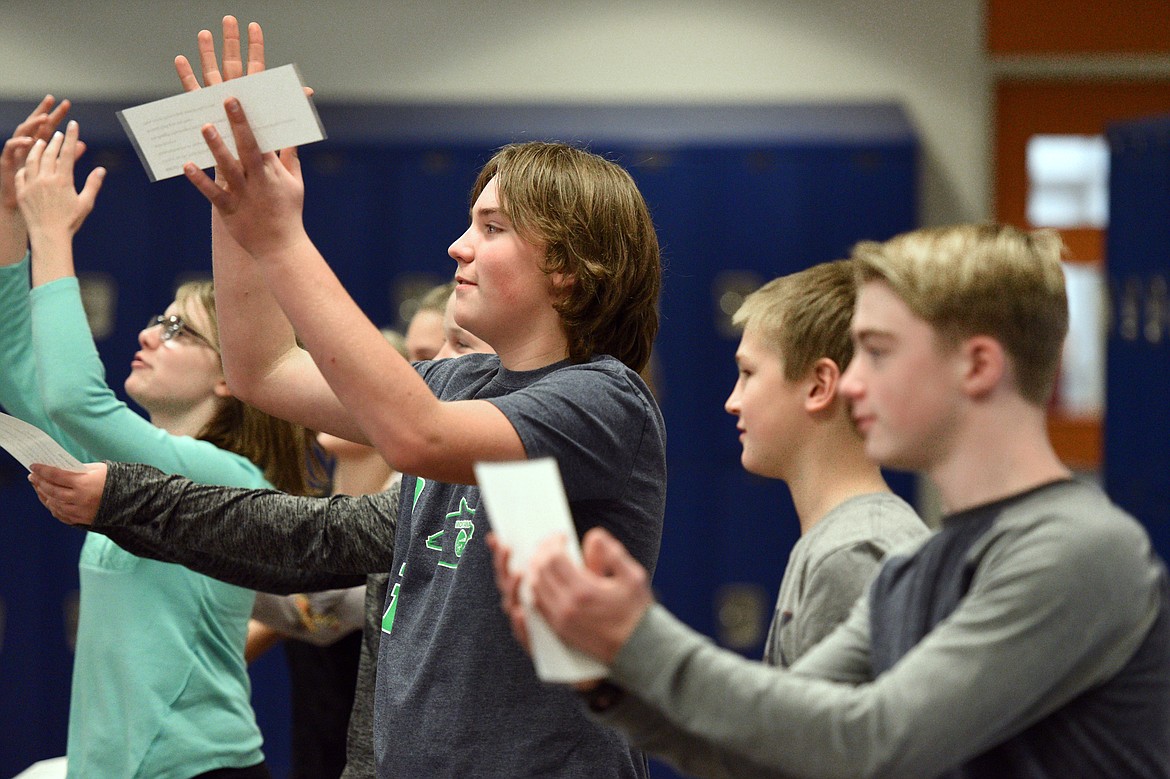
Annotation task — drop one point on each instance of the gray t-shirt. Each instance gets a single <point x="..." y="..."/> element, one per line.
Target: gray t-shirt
<point x="830" y="567"/>
<point x="456" y="695"/>
<point x="488" y="714"/>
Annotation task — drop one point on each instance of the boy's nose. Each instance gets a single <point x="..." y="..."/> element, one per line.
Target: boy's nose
<point x="850" y="385"/>
<point x="460" y="249"/>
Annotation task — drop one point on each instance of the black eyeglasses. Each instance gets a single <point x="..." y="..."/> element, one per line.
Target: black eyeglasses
<point x="174" y="325"/>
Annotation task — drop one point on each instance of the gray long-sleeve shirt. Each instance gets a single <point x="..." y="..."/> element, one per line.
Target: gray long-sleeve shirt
<point x="270" y="541"/>
<point x="1029" y="637"/>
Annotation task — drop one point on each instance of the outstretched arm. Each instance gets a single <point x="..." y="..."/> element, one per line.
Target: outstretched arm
<point x="260" y="539"/>
<point x="1015" y="650"/>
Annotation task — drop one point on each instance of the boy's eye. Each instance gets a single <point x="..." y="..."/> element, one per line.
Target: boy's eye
<point x="491" y="228"/>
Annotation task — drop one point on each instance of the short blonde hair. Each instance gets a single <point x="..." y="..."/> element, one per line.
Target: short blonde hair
<point x="982" y="279"/>
<point x="594" y="225"/>
<point x="804" y="316"/>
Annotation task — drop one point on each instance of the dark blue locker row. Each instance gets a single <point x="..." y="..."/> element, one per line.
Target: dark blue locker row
<point x="1137" y="416"/>
<point x="738" y="197"/>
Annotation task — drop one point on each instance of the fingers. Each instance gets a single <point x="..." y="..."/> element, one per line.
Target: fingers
<point x="15" y="152"/>
<point x="67" y="149"/>
<point x="255" y="48"/>
<point x="42" y="158"/>
<point x="215" y="194"/>
<point x="291" y="159"/>
<point x="226" y="167"/>
<point x="603" y="554"/>
<point x="32" y="162"/>
<point x="54" y="119"/>
<point x="52" y="153"/>
<point x="207" y="60"/>
<point x="72" y="497"/>
<point x="233" y="63"/>
<point x="88" y="194"/>
<point x="246" y="146"/>
<point x="31" y="126"/>
<point x="186" y="73"/>
<point x="42" y="108"/>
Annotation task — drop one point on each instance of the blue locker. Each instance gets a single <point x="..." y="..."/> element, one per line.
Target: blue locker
<point x="1136" y="466"/>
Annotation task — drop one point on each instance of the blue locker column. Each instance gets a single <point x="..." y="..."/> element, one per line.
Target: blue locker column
<point x="346" y="189"/>
<point x="1136" y="467"/>
<point x="429" y="207"/>
<point x="674" y="182"/>
<point x="422" y="215"/>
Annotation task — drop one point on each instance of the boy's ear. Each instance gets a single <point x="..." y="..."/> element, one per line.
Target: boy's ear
<point x="984" y="364"/>
<point x="562" y="282"/>
<point x="822" y="388"/>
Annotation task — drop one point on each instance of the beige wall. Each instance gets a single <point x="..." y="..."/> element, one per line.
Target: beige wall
<point x="929" y="56"/>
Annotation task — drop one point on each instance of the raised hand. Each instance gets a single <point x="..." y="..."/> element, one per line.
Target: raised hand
<point x="40" y="124"/>
<point x="69" y="496"/>
<point x="51" y="206"/>
<point x="233" y="64"/>
<point x="262" y="194"/>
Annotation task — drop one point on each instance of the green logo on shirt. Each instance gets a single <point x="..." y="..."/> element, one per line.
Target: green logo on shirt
<point x="392" y="607"/>
<point x="462" y="531"/>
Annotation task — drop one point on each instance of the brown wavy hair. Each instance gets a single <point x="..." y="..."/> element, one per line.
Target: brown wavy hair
<point x="595" y="228"/>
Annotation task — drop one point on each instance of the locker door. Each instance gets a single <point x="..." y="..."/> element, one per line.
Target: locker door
<point x="1136" y="465"/>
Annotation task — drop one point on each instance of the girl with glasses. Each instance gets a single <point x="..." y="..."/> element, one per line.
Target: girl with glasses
<point x="160" y="687"/>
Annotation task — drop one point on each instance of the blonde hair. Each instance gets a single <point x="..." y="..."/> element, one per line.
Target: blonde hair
<point x="982" y="279"/>
<point x="287" y="453"/>
<point x="395" y="339"/>
<point x="588" y="215"/>
<point x="435" y="298"/>
<point x="804" y="316"/>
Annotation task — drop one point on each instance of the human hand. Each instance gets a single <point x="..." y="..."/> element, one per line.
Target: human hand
<point x="39" y="125"/>
<point x="45" y="191"/>
<point x="69" y="496"/>
<point x="509" y="586"/>
<point x="262" y="194"/>
<point x="233" y="64"/>
<point x="594" y="608"/>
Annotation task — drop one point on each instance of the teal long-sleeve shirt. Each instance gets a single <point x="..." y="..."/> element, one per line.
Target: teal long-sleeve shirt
<point x="160" y="687"/>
